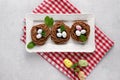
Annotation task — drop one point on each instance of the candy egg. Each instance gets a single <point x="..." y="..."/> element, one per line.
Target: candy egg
<point x="67" y="63"/>
<point x="77" y="32"/>
<point x="64" y="34"/>
<point x="81" y="75"/>
<point x="83" y="31"/>
<point x="39" y="31"/>
<point x="38" y="36"/>
<point x="59" y="35"/>
<point x="83" y="63"/>
<point x="59" y="30"/>
<point x="78" y="27"/>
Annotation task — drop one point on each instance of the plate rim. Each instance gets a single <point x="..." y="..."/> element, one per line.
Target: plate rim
<point x="28" y="18"/>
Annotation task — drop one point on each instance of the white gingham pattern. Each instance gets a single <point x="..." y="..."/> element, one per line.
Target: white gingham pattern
<point x="103" y="43"/>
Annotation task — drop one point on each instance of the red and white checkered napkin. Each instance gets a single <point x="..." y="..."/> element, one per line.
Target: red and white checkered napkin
<point x="103" y="43"/>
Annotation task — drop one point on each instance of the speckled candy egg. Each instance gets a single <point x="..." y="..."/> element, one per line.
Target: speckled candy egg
<point x="59" y="35"/>
<point x="68" y="63"/>
<point x="64" y="34"/>
<point x="77" y="32"/>
<point x="83" y="31"/>
<point x="38" y="36"/>
<point x="78" y="27"/>
<point x="39" y="31"/>
<point x="59" y="30"/>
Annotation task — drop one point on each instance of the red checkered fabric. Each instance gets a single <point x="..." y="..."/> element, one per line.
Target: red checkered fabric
<point x="103" y="43"/>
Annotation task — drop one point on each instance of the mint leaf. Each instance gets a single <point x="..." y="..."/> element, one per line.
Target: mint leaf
<point x="43" y="33"/>
<point x="48" y="21"/>
<point x="83" y="38"/>
<point x="51" y="21"/>
<point x="62" y="28"/>
<point x="30" y="45"/>
<point x="74" y="65"/>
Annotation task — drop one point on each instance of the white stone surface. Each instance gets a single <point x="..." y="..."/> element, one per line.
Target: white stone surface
<point x="17" y="64"/>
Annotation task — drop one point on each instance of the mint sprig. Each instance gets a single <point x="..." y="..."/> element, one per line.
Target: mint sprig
<point x="83" y="38"/>
<point x="62" y="28"/>
<point x="30" y="45"/>
<point x="43" y="33"/>
<point x="48" y="21"/>
<point x="74" y="65"/>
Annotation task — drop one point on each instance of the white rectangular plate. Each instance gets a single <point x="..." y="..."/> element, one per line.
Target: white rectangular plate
<point x="71" y="46"/>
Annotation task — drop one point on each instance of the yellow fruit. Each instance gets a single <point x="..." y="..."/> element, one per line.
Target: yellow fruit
<point x="67" y="63"/>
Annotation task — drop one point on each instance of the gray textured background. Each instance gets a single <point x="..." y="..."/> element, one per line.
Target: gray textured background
<point x="17" y="64"/>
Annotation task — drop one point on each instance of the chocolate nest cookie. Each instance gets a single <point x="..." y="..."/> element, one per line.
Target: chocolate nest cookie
<point x="80" y="31"/>
<point x="40" y="34"/>
<point x="60" y="33"/>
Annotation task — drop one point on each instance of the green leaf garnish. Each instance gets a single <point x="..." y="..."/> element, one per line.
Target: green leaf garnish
<point x="43" y="33"/>
<point x="74" y="65"/>
<point x="83" y="38"/>
<point x="48" y="21"/>
<point x="30" y="45"/>
<point x="62" y="28"/>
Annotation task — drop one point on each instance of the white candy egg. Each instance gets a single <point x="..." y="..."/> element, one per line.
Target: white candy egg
<point x="59" y="30"/>
<point x="78" y="27"/>
<point x="64" y="34"/>
<point x="77" y="32"/>
<point x="38" y="36"/>
<point x="59" y="35"/>
<point x="83" y="31"/>
<point x="39" y="31"/>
